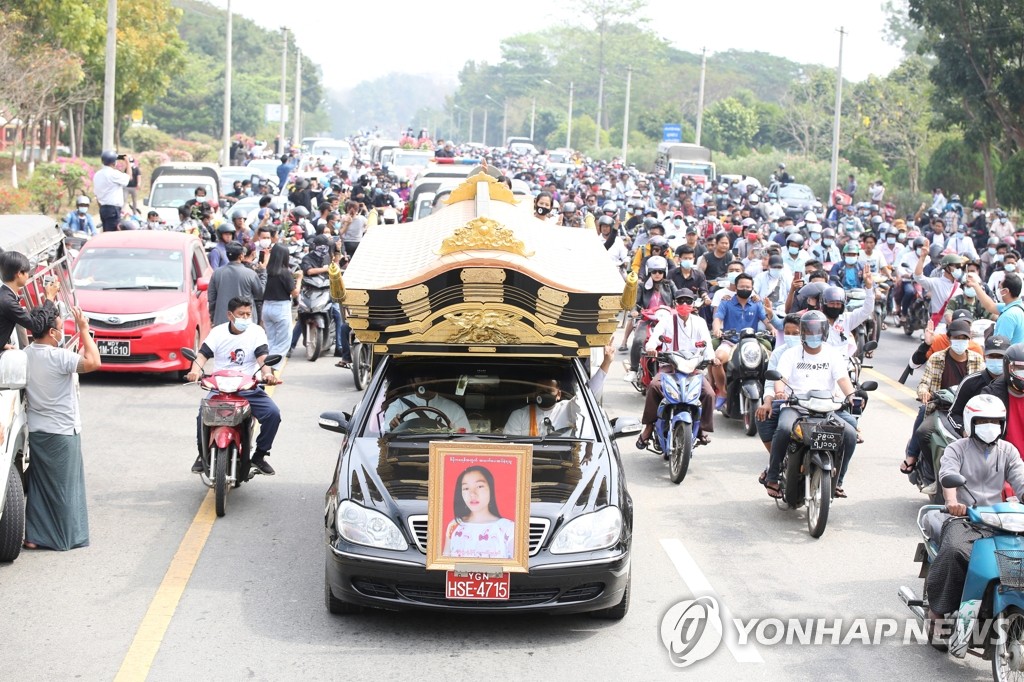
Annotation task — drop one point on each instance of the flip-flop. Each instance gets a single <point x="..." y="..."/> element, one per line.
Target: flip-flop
<point x="763" y="478"/>
<point x="642" y="443"/>
<point x="343" y="364"/>
<point x="774" y="490"/>
<point x="907" y="467"/>
<point x="840" y="492"/>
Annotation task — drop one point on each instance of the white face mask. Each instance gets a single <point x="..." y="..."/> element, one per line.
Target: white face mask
<point x="988" y="433"/>
<point x="265" y="243"/>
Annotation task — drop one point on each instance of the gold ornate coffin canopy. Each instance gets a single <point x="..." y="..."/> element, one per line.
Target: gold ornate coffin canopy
<point x="482" y="275"/>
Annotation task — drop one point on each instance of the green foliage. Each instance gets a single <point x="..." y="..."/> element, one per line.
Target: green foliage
<point x="45" y="191"/>
<point x="14" y="200"/>
<point x="954" y="163"/>
<point x="145" y="139"/>
<point x="1010" y="183"/>
<point x="731" y="126"/>
<point x="583" y="129"/>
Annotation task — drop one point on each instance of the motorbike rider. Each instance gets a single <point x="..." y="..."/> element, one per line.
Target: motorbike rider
<point x="767" y="416"/>
<point x="1009" y="264"/>
<point x="241" y="344"/>
<point x="813" y="364"/>
<point x="79" y="220"/>
<point x="613" y="245"/>
<point x="315" y="265"/>
<point x="656" y="291"/>
<point x="646" y="247"/>
<point x="658" y="247"/>
<point x="995" y="350"/>
<point x="842" y="323"/>
<point x="685" y="332"/>
<point x="795" y="257"/>
<point x="736" y="313"/>
<point x="849" y="273"/>
<point x="773" y="283"/>
<point x="907" y="265"/>
<point x="942" y="285"/>
<point x="988" y="463"/>
<point x="714" y="263"/>
<point x="827" y="251"/>
<point x="968" y="298"/>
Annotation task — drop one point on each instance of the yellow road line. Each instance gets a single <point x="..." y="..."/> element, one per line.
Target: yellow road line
<point x="150" y="633"/>
<point x="874" y="374"/>
<point x="892" y="402"/>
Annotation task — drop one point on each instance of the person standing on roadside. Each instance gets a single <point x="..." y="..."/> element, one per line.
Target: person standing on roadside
<point x="234" y="280"/>
<point x="14" y="271"/>
<point x="109" y="184"/>
<point x="55" y="511"/>
<point x="131" y="190"/>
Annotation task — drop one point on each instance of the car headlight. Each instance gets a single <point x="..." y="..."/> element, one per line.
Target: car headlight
<point x="750" y="354"/>
<point x="173" y="315"/>
<point x="598" y="530"/>
<point x="364" y="526"/>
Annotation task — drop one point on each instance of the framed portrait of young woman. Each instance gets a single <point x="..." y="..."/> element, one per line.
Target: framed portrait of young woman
<point x="479" y="506"/>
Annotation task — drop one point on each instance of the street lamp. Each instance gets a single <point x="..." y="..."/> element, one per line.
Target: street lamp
<point x="568" y="129"/>
<point x="504" y="118"/>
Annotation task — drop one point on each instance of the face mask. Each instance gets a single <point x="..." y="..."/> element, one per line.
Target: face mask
<point x="83" y="209"/>
<point x="59" y="339"/>
<point x="1010" y="267"/>
<point x="732" y="277"/>
<point x="677" y="222"/>
<point x="891" y="241"/>
<point x="902" y="238"/>
<point x="265" y="243"/>
<point x="919" y="252"/>
<point x="775" y="272"/>
<point x="832" y="313"/>
<point x="684" y="309"/>
<point x="794" y="250"/>
<point x="959" y="346"/>
<point x="543" y="210"/>
<point x="744" y="293"/>
<point x="1003" y="220"/>
<point x="850" y="260"/>
<point x="792" y="340"/>
<point x="828" y="242"/>
<point x="153" y="225"/>
<point x="813" y="341"/>
<point x="975" y="214"/>
<point x="546" y="400"/>
<point x="988" y="433"/>
<point x="997" y="259"/>
<point x="969" y="292"/>
<point x="816" y="236"/>
<point x="241" y="323"/>
<point x="995" y="366"/>
<point x="686" y="265"/>
<point x="957" y="273"/>
<point x="991" y="251"/>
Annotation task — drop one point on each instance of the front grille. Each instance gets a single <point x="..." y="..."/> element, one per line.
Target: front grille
<point x="372" y="588"/>
<point x="430" y="594"/>
<point x="130" y="359"/>
<point x="538" y="531"/>
<point x="97" y="323"/>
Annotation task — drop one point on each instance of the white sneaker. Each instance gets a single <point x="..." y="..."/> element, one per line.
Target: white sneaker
<point x="629" y="376"/>
<point x="929" y="489"/>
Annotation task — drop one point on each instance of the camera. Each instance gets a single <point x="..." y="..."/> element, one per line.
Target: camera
<point x="121" y="157"/>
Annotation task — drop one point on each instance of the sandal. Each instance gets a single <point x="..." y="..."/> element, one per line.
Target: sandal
<point x="763" y="478"/>
<point x="642" y="443"/>
<point x="908" y="465"/>
<point x="343" y="364"/>
<point x="839" y="492"/>
<point x="622" y="348"/>
<point x="774" y="490"/>
<point x="703" y="439"/>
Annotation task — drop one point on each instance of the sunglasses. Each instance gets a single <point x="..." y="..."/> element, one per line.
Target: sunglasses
<point x="657" y="272"/>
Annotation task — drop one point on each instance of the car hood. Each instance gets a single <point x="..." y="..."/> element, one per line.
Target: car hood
<point x="127" y="302"/>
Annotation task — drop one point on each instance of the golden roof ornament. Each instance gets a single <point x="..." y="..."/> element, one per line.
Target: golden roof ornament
<point x="483" y="234"/>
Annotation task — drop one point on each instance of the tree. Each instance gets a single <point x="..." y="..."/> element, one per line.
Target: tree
<point x="731" y="126"/>
<point x="955" y="165"/>
<point x="1011" y="181"/>
<point x="808" y="108"/>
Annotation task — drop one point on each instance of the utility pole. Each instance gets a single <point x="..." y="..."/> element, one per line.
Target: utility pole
<point x="284" y="93"/>
<point x="504" y="123"/>
<point x="296" y="129"/>
<point x="472" y="115"/>
<point x="568" y="129"/>
<point x="110" y="76"/>
<point x="533" y="116"/>
<point x="226" y="138"/>
<point x="834" y="174"/>
<point x="600" y="112"/>
<point x="625" y="117"/>
<point x="700" y="92"/>
<point x="485" y="127"/>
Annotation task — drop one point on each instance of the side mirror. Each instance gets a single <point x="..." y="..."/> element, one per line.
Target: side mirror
<point x="337" y="422"/>
<point x="953" y="480"/>
<point x="625" y="426"/>
<point x="870" y="346"/>
<point x="188" y="354"/>
<point x="272" y="360"/>
<point x="203" y="283"/>
<point x="773" y="375"/>
<point x="869" y="386"/>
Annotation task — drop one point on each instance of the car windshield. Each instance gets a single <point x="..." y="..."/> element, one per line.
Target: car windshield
<point x="681" y="169"/>
<point x="418" y="160"/>
<point x="802" y="192"/>
<point x="337" y="152"/>
<point x="129" y="268"/>
<point x="174" y="194"/>
<point x="520" y="400"/>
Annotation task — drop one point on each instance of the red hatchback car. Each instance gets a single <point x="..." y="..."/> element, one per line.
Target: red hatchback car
<point x="144" y="293"/>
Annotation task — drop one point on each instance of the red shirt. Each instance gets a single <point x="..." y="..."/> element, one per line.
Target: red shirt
<point x="1014" y="431"/>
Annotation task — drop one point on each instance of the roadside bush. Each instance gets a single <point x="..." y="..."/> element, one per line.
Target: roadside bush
<point x="74" y="174"/>
<point x="46" y="192"/>
<point x="14" y="200"/>
<point x="144" y="139"/>
<point x="179" y="155"/>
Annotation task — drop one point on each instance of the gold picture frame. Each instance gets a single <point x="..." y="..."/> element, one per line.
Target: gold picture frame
<point x="460" y="476"/>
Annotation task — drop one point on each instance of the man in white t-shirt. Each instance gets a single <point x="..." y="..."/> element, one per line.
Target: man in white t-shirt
<point x="814" y="364"/>
<point x="241" y="345"/>
<point x="422" y="395"/>
<point x="108" y="184"/>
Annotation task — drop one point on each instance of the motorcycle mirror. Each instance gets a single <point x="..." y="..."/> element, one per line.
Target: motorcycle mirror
<point x="188" y="354"/>
<point x="272" y="360"/>
<point x="870" y="346"/>
<point x="953" y="480"/>
<point x="869" y="386"/>
<point x="773" y="375"/>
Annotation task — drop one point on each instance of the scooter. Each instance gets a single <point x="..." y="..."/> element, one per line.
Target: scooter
<point x="744" y="375"/>
<point x="945" y="432"/>
<point x="315" y="315"/>
<point x="990" y="620"/>
<point x="917" y="315"/>
<point x="675" y="430"/>
<point x="648" y="366"/>
<point x="227" y="429"/>
<point x="810" y="468"/>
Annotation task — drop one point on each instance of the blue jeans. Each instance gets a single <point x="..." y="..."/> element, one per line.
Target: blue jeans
<point x="907" y="298"/>
<point x="264" y="410"/>
<point x="339" y="344"/>
<point x="277" y="318"/>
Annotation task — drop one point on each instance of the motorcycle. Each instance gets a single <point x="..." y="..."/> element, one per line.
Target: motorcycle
<point x="675" y="430"/>
<point x="314" y="315"/>
<point x="866" y="330"/>
<point x="990" y="620"/>
<point x="877" y="320"/>
<point x="945" y="432"/>
<point x="917" y="315"/>
<point x="744" y="375"/>
<point x="648" y="366"/>
<point x="227" y="429"/>
<point x="810" y="468"/>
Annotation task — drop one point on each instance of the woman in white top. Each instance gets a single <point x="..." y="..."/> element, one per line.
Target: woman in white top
<point x="478" y="529"/>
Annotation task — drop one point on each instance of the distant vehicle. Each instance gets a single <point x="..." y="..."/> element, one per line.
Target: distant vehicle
<point x="378" y="147"/>
<point x="683" y="160"/>
<point x="308" y="142"/>
<point x="172" y="184"/>
<point x="748" y="180"/>
<point x="333" y="150"/>
<point x="228" y="175"/>
<point x="521" y="146"/>
<point x="796" y="200"/>
<point x="145" y="296"/>
<point x="407" y="163"/>
<point x="560" y="156"/>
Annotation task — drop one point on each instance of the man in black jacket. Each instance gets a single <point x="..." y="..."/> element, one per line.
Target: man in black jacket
<point x="15" y="270"/>
<point x="972" y="385"/>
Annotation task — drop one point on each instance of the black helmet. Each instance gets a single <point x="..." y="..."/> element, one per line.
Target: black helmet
<point x="919" y="242"/>
<point x="651" y="223"/>
<point x="659" y="242"/>
<point x="813" y="323"/>
<point x="300" y="212"/>
<point x="1013" y="368"/>
<point x="226" y="228"/>
<point x="813" y="290"/>
<point x="606" y="220"/>
<point x="795" y="238"/>
<point x="833" y="294"/>
<point x="569" y="207"/>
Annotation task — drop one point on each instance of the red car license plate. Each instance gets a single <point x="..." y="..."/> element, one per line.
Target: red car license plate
<point x="476" y="586"/>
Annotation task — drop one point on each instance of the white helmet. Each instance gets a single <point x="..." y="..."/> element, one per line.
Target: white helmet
<point x="657" y="263"/>
<point x="810" y="217"/>
<point x="984" y="407"/>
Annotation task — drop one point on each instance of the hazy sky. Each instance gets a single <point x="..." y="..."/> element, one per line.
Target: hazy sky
<point x="432" y="37"/>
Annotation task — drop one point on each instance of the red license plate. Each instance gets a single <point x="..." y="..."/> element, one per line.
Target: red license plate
<point x="475" y="586"/>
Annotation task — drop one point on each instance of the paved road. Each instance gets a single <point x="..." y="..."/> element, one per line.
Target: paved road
<point x="252" y="607"/>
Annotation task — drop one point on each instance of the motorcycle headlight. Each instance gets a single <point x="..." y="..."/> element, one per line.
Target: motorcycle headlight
<point x="1012" y="522"/>
<point x="750" y="355"/>
<point x="598" y="530"/>
<point x="173" y="315"/>
<point x="671" y="391"/>
<point x="364" y="526"/>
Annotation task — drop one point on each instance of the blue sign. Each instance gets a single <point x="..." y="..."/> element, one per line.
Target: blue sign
<point x="672" y="132"/>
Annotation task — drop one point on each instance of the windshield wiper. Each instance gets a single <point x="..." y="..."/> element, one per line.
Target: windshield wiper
<point x="143" y="287"/>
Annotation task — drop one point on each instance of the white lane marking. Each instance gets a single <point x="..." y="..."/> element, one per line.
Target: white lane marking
<point x="699" y="585"/>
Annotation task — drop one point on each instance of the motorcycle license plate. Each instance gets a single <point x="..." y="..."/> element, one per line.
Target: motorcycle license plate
<point x="828" y="438"/>
<point x="476" y="586"/>
<point x="116" y="348"/>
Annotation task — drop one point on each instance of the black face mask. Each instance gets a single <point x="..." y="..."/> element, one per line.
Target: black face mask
<point x="744" y="293"/>
<point x="546" y="400"/>
<point x="832" y="313"/>
<point x="543" y="210"/>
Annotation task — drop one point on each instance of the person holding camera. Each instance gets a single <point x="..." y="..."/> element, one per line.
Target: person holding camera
<point x="109" y="184"/>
